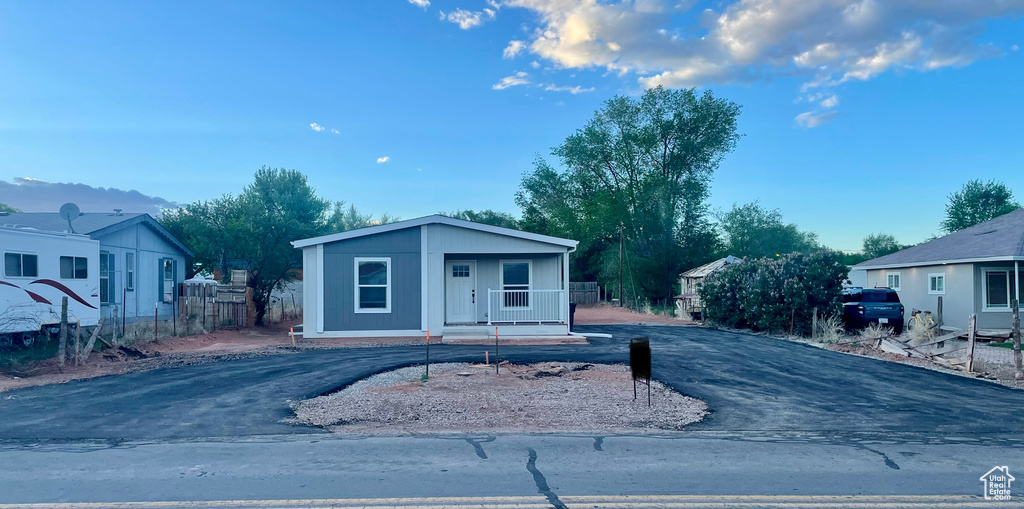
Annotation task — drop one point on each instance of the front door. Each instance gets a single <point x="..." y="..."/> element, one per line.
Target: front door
<point x="460" y="292"/>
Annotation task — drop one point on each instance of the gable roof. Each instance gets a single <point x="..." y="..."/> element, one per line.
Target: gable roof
<point x="93" y="224"/>
<point x="434" y="219"/>
<point x="708" y="268"/>
<point x="998" y="239"/>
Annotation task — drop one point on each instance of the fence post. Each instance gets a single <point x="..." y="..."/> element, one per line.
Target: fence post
<point x="938" y="313"/>
<point x="814" y="324"/>
<point x="1018" y="373"/>
<point x="972" y="327"/>
<point x="62" y="347"/>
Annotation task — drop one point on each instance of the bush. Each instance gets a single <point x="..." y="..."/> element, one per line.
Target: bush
<point x="766" y="293"/>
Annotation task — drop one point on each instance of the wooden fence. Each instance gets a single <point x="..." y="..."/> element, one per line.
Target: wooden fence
<point x="214" y="306"/>
<point x="584" y="293"/>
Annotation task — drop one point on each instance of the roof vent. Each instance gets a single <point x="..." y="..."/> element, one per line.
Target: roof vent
<point x="117" y="212"/>
<point x="985" y="233"/>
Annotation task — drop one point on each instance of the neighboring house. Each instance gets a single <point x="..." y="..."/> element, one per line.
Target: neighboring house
<point x="140" y="262"/>
<point x="689" y="283"/>
<point x="975" y="270"/>
<point x="858" y="278"/>
<point x="447" y="275"/>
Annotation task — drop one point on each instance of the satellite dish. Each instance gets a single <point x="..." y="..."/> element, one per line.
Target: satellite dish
<point x="69" y="212"/>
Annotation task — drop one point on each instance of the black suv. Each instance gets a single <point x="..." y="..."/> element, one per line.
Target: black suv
<point x="862" y="306"/>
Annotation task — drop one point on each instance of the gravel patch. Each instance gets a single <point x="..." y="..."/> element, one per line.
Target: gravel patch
<point x="546" y="397"/>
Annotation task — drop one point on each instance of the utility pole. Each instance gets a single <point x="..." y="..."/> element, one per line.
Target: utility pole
<point x="620" y="265"/>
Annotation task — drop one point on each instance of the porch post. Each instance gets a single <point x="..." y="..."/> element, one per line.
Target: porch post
<point x="565" y="287"/>
<point x="1016" y="280"/>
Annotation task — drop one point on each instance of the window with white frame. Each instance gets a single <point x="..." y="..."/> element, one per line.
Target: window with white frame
<point x="167" y="278"/>
<point x="129" y="271"/>
<point x="515" y="283"/>
<point x="74" y="267"/>
<point x="108" y="294"/>
<point x="373" y="285"/>
<point x="937" y="283"/>
<point x="996" y="290"/>
<point x="892" y="280"/>
<point x="21" y="265"/>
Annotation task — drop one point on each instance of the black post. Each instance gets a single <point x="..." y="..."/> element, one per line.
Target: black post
<point x="496" y="368"/>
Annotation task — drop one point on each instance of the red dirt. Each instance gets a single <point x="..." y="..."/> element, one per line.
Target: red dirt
<point x="604" y="314"/>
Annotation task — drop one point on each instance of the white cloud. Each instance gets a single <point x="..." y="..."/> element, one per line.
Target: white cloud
<point x="468" y="19"/>
<point x="1014" y="47"/>
<point x="316" y="127"/>
<point x="535" y="64"/>
<point x="420" y="3"/>
<point x="519" y="78"/>
<point x="827" y="41"/>
<point x="830" y="102"/>
<point x="382" y="160"/>
<point x="811" y="119"/>
<point x="335" y="131"/>
<point x="513" y="49"/>
<point x="571" y="89"/>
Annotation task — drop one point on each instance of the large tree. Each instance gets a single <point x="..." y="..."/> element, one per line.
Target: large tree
<point x="977" y="202"/>
<point x="643" y="165"/>
<point x="880" y="244"/>
<point x="753" y="231"/>
<point x="486" y="216"/>
<point x="344" y="218"/>
<point x="255" y="229"/>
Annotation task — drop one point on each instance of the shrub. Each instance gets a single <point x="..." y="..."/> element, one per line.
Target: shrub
<point x="766" y="294"/>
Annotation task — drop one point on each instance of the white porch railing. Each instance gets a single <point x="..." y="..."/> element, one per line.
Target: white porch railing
<point x="526" y="306"/>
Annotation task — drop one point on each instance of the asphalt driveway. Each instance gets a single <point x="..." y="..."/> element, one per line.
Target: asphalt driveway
<point x="750" y="383"/>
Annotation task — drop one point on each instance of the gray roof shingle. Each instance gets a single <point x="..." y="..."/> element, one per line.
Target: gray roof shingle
<point x="1001" y="238"/>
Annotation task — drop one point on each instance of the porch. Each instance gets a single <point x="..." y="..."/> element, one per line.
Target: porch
<point x="522" y="294"/>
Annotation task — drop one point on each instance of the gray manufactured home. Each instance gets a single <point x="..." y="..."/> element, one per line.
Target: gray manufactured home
<point x="435" y="273"/>
<point x="975" y="270"/>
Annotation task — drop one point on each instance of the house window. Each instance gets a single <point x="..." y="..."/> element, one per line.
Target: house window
<point x="373" y="285"/>
<point x="515" y="283"/>
<point x="460" y="270"/>
<point x="937" y="284"/>
<point x="129" y="271"/>
<point x="21" y="265"/>
<point x="108" y="294"/>
<point x="996" y="291"/>
<point x="892" y="280"/>
<point x="168" y="281"/>
<point x="73" y="267"/>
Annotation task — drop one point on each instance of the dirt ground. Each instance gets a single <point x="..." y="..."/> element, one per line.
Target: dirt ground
<point x="1000" y="373"/>
<point x="545" y="397"/>
<point x="604" y="314"/>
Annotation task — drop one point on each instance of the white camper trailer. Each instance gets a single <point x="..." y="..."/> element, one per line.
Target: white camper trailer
<point x="39" y="268"/>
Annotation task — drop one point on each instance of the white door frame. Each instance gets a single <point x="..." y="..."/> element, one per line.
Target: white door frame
<point x="448" y="277"/>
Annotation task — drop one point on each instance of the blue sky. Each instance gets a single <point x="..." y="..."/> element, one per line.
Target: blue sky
<point x="859" y="116"/>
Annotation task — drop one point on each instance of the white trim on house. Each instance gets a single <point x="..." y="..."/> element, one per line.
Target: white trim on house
<point x="984" y="291"/>
<point x="899" y="280"/>
<point x="356" y="285"/>
<point x="939" y="289"/>
<point x="435" y="219"/>
<point x="319" y="289"/>
<point x="424" y="281"/>
<point x="939" y="262"/>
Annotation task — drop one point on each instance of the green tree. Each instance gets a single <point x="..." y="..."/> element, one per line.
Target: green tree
<point x="7" y="208"/>
<point x="344" y="218"/>
<point x="753" y="231"/>
<point x="644" y="165"/>
<point x="255" y="229"/>
<point x="880" y="244"/>
<point x="977" y="202"/>
<point x="487" y="216"/>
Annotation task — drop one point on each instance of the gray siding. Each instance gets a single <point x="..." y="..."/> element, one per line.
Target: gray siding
<point x="403" y="247"/>
<point x="149" y="248"/>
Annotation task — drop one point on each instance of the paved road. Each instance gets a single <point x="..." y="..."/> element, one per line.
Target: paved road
<point x="749" y="382"/>
<point x="788" y="420"/>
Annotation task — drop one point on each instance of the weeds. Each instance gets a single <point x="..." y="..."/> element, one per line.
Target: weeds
<point x="830" y="329"/>
<point x="874" y="331"/>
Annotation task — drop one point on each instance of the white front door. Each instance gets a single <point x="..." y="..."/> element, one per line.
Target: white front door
<point x="460" y="292"/>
